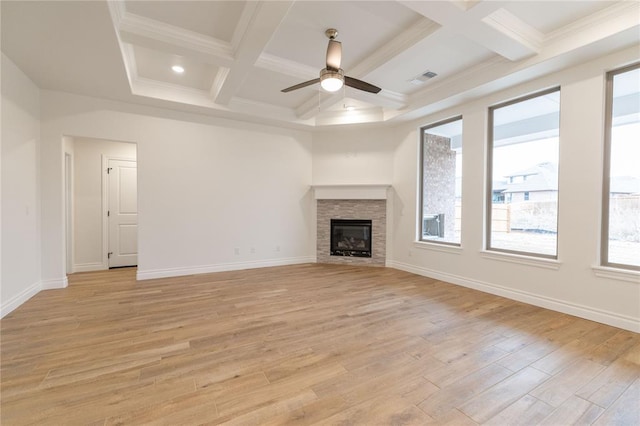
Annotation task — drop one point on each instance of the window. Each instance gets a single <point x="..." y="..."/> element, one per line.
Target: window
<point x="441" y="182"/>
<point x="522" y="166"/>
<point x="621" y="192"/>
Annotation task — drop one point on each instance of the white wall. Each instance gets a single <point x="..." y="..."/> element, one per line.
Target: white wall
<point x="353" y="156"/>
<point x="87" y="211"/>
<point x="569" y="285"/>
<point x="206" y="186"/>
<point x="20" y="189"/>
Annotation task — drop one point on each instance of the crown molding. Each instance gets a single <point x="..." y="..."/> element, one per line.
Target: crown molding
<point x="385" y="99"/>
<point x="117" y="10"/>
<point x="251" y="110"/>
<point x="171" y="92"/>
<point x="218" y="81"/>
<point x="516" y="29"/>
<point x="243" y="23"/>
<point x="129" y="57"/>
<point x="287" y="67"/>
<point x="261" y="109"/>
<point x="148" y="32"/>
<point x="615" y="18"/>
<point x="358" y="116"/>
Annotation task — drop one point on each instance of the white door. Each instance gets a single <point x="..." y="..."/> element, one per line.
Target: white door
<point x="123" y="213"/>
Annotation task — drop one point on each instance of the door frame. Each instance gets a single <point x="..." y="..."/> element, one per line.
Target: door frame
<point x="105" y="203"/>
<point x="68" y="210"/>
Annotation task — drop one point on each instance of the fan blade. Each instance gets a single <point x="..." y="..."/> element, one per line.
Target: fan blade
<point x="301" y="85"/>
<point x="360" y="85"/>
<point x="334" y="55"/>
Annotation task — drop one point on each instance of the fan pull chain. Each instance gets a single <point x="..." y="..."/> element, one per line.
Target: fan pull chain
<point x="344" y="95"/>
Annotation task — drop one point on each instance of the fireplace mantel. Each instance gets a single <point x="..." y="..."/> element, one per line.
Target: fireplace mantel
<point x="351" y="192"/>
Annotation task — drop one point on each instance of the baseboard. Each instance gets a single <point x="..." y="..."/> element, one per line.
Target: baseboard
<point x="221" y="267"/>
<point x="586" y="312"/>
<point x="89" y="267"/>
<point x="17" y="300"/>
<point x="55" y="283"/>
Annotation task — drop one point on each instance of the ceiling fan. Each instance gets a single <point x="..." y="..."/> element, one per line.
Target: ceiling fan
<point x="332" y="77"/>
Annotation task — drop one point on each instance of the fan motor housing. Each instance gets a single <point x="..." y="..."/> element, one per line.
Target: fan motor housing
<point x="325" y="73"/>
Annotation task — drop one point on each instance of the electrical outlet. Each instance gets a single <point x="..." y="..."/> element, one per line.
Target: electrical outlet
<point x="253" y="250"/>
<point x="277" y="248"/>
<point x="236" y="251"/>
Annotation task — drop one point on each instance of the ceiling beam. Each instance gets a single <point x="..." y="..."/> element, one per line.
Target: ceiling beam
<point x="265" y="20"/>
<point x="157" y="35"/>
<point x="485" y="23"/>
<point x="562" y="48"/>
<point x="196" y="99"/>
<point x="218" y="81"/>
<point x="287" y="67"/>
<point x="243" y="23"/>
<point x="420" y="30"/>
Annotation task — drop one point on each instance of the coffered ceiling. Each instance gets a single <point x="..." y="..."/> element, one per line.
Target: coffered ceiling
<point x="238" y="55"/>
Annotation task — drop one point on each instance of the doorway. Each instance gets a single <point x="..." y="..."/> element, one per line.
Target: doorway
<point x="91" y="208"/>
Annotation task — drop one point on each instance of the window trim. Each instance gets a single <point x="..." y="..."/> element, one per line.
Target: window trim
<point x="606" y="171"/>
<point x="489" y="177"/>
<point x="421" y="182"/>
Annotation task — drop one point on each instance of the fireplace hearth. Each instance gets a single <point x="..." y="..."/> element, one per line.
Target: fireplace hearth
<point x="351" y="237"/>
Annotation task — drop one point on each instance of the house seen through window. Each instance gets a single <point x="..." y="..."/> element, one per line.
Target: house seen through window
<point x="522" y="216"/>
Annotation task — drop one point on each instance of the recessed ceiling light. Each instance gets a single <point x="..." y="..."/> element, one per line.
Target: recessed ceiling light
<point x="177" y="69"/>
<point x="349" y="107"/>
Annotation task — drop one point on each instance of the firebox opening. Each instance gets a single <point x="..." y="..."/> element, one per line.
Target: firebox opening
<point x="351" y="237"/>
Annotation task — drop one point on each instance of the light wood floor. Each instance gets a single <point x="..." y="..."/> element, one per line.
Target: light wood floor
<point x="304" y="345"/>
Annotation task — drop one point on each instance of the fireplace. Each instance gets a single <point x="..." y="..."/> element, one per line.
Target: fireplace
<point x="351" y="237"/>
<point x="374" y="210"/>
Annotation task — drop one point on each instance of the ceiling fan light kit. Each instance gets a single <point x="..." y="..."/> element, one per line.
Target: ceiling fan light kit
<point x="331" y="81"/>
<point x="332" y="77"/>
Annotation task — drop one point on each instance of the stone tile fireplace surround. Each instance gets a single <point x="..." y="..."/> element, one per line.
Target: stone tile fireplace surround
<point x="366" y="202"/>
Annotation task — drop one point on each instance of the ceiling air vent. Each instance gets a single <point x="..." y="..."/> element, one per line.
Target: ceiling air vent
<point x="422" y="78"/>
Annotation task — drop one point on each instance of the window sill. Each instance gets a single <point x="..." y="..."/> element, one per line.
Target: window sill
<point x="616" y="274"/>
<point x="444" y="248"/>
<point x="522" y="260"/>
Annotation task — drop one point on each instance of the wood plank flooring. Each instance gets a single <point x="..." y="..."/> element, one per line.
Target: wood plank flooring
<point x="307" y="344"/>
